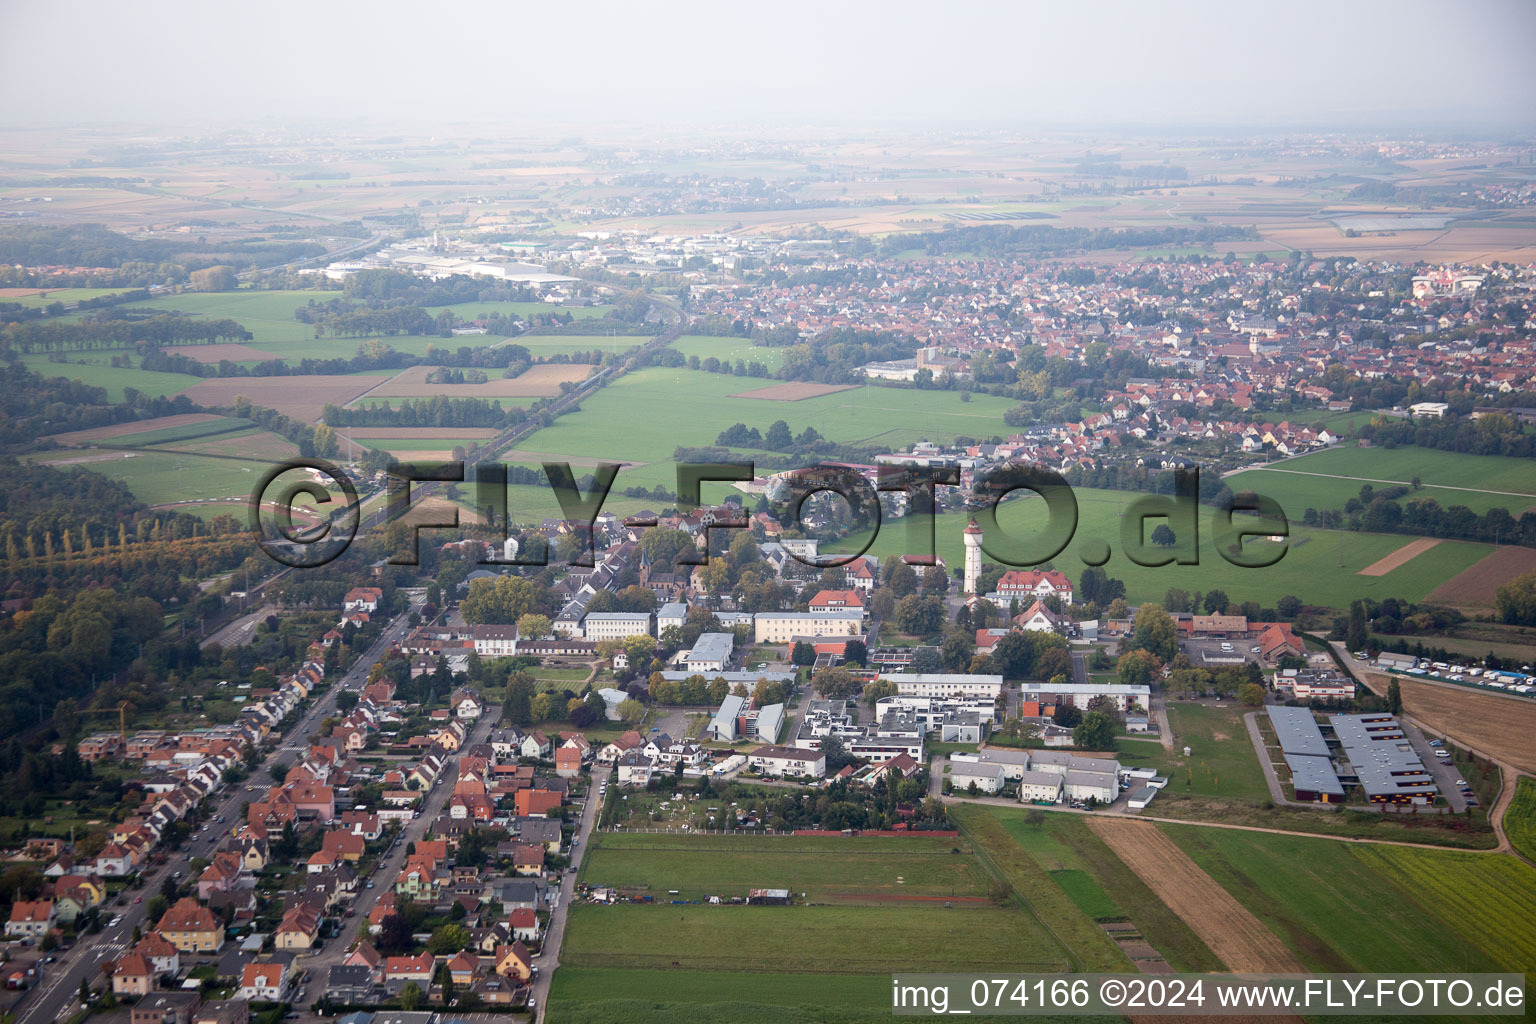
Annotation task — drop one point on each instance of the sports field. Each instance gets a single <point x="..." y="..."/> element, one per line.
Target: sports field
<point x="855" y="870"/>
<point x="1319" y="565"/>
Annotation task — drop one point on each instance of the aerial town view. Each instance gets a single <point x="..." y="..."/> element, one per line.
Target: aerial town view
<point x="622" y="514"/>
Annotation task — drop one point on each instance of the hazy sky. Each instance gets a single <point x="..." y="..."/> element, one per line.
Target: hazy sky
<point x="1057" y="64"/>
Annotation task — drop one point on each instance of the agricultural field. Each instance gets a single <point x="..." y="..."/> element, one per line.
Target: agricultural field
<point x="1451" y="478"/>
<point x="37" y="298"/>
<point x="1300" y="484"/>
<point x="1094" y="877"/>
<point x="1348" y="907"/>
<point x="1488" y="899"/>
<point x="814" y="939"/>
<point x="645" y="415"/>
<point x="164" y="478"/>
<point x="1475" y="587"/>
<point x="1320" y="565"/>
<point x="1520" y="819"/>
<point x="539" y="381"/>
<point x="1234" y="934"/>
<point x="874" y="870"/>
<point x="598" y="995"/>
<point x="96" y="369"/>
<point x="729" y="350"/>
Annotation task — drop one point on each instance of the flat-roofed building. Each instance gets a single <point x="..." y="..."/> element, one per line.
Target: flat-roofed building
<point x="945" y="684"/>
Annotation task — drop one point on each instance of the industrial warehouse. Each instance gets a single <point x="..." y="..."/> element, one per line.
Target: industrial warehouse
<point x="1368" y="751"/>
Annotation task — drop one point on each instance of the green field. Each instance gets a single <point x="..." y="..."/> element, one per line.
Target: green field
<point x="1520" y="819"/>
<point x="1343" y="907"/>
<point x="1450" y="478"/>
<point x="1097" y="880"/>
<point x="816" y="939"/>
<point x="863" y="869"/>
<point x="162" y="478"/>
<point x="1440" y="473"/>
<point x="729" y="350"/>
<point x="1223" y="762"/>
<point x="186" y="432"/>
<point x="618" y="996"/>
<point x="1309" y="569"/>
<point x="66" y="295"/>
<point x="95" y="369"/>
<point x="645" y="415"/>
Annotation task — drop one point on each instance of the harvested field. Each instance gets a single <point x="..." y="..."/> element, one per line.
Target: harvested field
<point x="539" y="381"/>
<point x="1401" y="556"/>
<point x="421" y="433"/>
<point x="301" y="397"/>
<point x="1474" y="585"/>
<point x="234" y="353"/>
<point x="133" y="427"/>
<point x="1222" y="923"/>
<point x="795" y="391"/>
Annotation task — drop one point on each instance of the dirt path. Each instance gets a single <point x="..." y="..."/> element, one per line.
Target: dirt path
<point x="1374" y="480"/>
<point x="1223" y="924"/>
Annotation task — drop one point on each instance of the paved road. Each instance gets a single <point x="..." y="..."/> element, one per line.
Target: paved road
<point x="238" y="633"/>
<point x="549" y="959"/>
<point x="56" y="994"/>
<point x="393" y="860"/>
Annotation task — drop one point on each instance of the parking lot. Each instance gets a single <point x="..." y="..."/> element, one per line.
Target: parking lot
<point x="1447" y="776"/>
<point x="1211" y="654"/>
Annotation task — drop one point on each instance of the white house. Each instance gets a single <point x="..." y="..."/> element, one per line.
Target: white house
<point x="615" y="625"/>
<point x="788" y="761"/>
<point x="988" y="778"/>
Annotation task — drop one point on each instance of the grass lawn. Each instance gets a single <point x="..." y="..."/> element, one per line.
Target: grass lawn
<point x="1310" y="568"/>
<point x="861" y="869"/>
<point x="1520" y="819"/>
<point x="818" y="939"/>
<point x="1222" y="762"/>
<point x="645" y="415"/>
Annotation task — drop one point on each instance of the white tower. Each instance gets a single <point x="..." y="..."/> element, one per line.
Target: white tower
<point x="972" y="557"/>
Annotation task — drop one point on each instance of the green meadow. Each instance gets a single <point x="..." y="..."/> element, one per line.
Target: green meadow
<point x="872" y="868"/>
<point x="645" y="415"/>
<point x="1330" y="478"/>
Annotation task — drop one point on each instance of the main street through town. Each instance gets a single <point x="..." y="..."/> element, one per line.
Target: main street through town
<point x="56" y="995"/>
